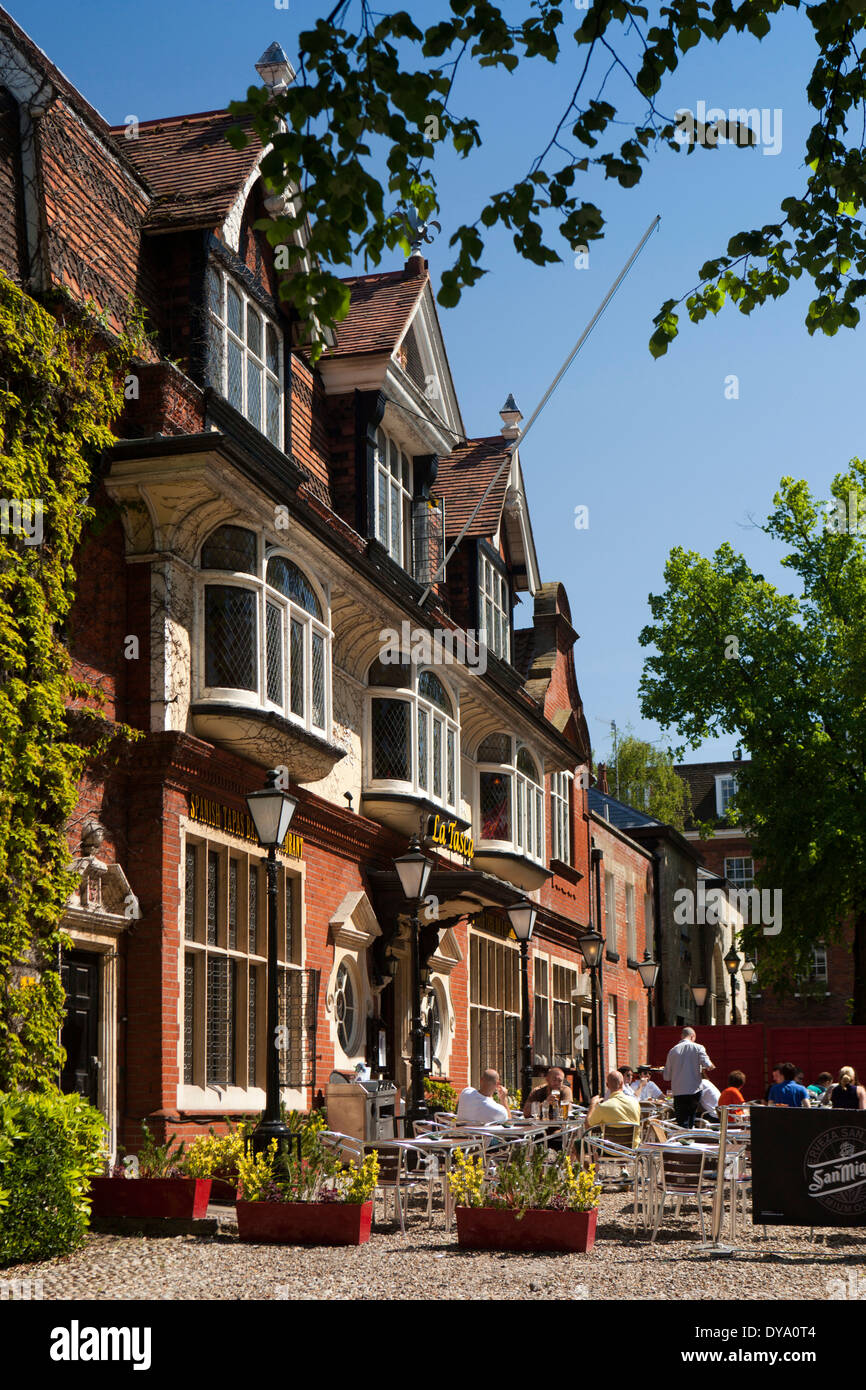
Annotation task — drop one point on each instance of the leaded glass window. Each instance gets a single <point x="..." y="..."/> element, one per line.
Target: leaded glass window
<point x="393" y="502"/>
<point x="245" y="355"/>
<point x="414" y="739"/>
<point x="510" y="796"/>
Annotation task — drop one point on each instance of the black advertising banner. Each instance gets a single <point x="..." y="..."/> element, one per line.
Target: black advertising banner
<point x="808" y="1167"/>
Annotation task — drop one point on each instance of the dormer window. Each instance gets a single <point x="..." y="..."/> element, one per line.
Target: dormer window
<point x="510" y="797"/>
<point x="266" y="640"/>
<point x="726" y="790"/>
<point x="493" y="607"/>
<point x="414" y="743"/>
<point x="393" y="501"/>
<point x="245" y="355"/>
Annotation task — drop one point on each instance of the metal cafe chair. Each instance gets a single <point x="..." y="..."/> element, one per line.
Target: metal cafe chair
<point x="601" y="1150"/>
<point x="681" y="1174"/>
<point x="343" y="1146"/>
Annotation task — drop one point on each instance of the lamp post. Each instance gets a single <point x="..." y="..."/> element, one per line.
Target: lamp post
<point x="271" y="810"/>
<point x="590" y="947"/>
<point x="749" y="973"/>
<point x="648" y="970"/>
<point x="699" y="994"/>
<point x="413" y="869"/>
<point x="522" y="917"/>
<point x="732" y="965"/>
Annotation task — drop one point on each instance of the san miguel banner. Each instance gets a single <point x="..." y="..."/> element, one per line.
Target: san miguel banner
<point x="808" y="1167"/>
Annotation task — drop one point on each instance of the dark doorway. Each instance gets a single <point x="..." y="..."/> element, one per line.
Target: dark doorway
<point x="80" y="1034"/>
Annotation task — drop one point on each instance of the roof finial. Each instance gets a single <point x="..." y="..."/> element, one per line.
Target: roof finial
<point x="275" y="70"/>
<point x="511" y="415"/>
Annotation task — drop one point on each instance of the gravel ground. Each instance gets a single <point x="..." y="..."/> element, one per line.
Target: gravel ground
<point x="427" y="1264"/>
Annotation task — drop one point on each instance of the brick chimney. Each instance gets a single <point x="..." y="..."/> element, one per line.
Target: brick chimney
<point x="601" y="779"/>
<point x="415" y="267"/>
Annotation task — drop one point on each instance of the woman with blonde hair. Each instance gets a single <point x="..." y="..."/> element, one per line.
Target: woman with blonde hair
<point x="848" y="1094"/>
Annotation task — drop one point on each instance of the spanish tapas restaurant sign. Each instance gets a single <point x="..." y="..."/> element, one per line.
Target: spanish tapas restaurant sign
<point x="447" y="833"/>
<point x="808" y="1167"/>
<point x="214" y="814"/>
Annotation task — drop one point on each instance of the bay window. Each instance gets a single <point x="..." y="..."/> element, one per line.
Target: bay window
<point x="245" y="354"/>
<point x="510" y="797"/>
<point x="265" y="634"/>
<point x="414" y="734"/>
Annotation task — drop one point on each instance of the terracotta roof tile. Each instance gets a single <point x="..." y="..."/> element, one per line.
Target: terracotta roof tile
<point x="462" y="478"/>
<point x="194" y="172"/>
<point x="381" y="306"/>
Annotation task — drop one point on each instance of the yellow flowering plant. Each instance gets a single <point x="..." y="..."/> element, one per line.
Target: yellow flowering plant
<point x="527" y="1180"/>
<point x="215" y="1155"/>
<point x="363" y="1181"/>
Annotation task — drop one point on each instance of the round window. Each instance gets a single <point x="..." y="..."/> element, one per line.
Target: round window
<point x="345" y="1007"/>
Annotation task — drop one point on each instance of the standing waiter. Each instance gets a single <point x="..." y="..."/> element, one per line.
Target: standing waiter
<point x="683" y="1071"/>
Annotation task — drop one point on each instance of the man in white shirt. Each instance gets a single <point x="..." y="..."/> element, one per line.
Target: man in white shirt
<point x="709" y="1097"/>
<point x="479" y="1107"/>
<point x="643" y="1086"/>
<point x="684" y="1068"/>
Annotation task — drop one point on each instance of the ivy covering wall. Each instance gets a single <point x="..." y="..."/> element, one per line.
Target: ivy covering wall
<point x="61" y="387"/>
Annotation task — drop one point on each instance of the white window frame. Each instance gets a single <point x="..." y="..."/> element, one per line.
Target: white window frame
<point x="631" y="922"/>
<point x="610" y="910"/>
<point x="818" y="969"/>
<point x="494" y="617"/>
<point x="734" y="876"/>
<point x="722" y="802"/>
<point x="394" y="480"/>
<point x="220" y="335"/>
<point x="421" y="708"/>
<point x="266" y="595"/>
<point x="527" y="818"/>
<point x="560" y="816"/>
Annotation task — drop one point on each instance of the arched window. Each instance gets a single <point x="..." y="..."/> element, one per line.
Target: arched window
<point x="265" y="629"/>
<point x="510" y="796"/>
<point x="414" y="733"/>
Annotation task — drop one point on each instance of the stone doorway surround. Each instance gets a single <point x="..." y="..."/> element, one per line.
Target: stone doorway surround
<point x="99" y="909"/>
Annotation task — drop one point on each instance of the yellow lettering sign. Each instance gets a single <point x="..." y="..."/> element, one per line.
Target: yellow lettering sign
<point x="237" y="823"/>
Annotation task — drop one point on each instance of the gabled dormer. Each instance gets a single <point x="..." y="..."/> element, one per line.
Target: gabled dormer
<point x="495" y="560"/>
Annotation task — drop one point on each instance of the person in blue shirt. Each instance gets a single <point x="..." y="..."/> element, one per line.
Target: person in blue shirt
<point x="789" y="1093"/>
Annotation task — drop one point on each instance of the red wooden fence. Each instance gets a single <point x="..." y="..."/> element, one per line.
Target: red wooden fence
<point x="755" y="1049"/>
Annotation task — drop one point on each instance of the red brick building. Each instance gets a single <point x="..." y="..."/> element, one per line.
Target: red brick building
<point x="262" y="590"/>
<point x="821" y="997"/>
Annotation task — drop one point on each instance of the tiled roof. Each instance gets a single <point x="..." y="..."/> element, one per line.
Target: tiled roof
<point x="380" y="308"/>
<point x="616" y="812"/>
<point x="194" y="172"/>
<point x="464" y="475"/>
<point x="701" y="779"/>
<point x="523" y="640"/>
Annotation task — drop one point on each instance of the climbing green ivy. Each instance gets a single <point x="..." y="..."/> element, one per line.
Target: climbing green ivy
<point x="61" y="387"/>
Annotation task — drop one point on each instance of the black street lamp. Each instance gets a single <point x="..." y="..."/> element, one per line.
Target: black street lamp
<point x="271" y="810"/>
<point x="590" y="946"/>
<point x="413" y="869"/>
<point x="732" y="965"/>
<point x="749" y="973"/>
<point x="522" y="917"/>
<point x="648" y="970"/>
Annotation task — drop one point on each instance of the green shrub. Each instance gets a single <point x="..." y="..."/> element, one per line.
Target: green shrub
<point x="439" y="1095"/>
<point x="50" y="1145"/>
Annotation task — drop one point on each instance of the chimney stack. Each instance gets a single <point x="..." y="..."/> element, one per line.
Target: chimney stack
<point x="601" y="777"/>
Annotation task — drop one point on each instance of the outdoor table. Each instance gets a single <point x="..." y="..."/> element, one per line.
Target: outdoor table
<point x="654" y="1150"/>
<point x="428" y="1143"/>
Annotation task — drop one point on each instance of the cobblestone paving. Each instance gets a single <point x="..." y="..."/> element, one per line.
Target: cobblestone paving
<point x="427" y="1264"/>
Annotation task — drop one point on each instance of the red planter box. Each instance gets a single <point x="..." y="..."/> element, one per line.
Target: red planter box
<point x="305" y="1223"/>
<point x="224" y="1190"/>
<point x="145" y="1197"/>
<point x="487" y="1228"/>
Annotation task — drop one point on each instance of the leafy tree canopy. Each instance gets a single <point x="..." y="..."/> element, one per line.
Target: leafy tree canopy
<point x="786" y="674"/>
<point x="355" y="139"/>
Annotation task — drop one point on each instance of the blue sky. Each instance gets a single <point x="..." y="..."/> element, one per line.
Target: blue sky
<point x="653" y="449"/>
